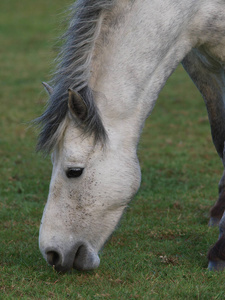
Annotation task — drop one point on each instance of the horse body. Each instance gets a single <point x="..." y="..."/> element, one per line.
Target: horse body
<point x="133" y="49"/>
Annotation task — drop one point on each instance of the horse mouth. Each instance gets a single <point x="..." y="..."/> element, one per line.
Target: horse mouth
<point x="83" y="259"/>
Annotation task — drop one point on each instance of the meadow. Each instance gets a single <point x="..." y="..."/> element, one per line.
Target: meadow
<point x="160" y="249"/>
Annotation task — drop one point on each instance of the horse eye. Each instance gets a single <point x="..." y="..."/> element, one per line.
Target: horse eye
<point x="74" y="172"/>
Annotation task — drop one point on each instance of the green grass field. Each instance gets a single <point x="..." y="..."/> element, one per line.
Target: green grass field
<point x="160" y="248"/>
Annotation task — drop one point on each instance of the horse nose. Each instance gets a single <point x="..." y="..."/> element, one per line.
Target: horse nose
<point x="82" y="258"/>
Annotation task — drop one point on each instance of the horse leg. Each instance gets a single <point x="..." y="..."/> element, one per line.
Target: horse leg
<point x="216" y="255"/>
<point x="217" y="210"/>
<point x="208" y="75"/>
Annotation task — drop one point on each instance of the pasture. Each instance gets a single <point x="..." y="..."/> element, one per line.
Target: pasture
<point x="160" y="249"/>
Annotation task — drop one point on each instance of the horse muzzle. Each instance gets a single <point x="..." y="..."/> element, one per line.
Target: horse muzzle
<point x="80" y="257"/>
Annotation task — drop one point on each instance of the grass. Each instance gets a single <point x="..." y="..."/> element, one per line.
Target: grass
<point x="159" y="251"/>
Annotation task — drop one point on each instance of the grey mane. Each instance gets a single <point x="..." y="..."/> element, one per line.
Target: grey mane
<point x="73" y="71"/>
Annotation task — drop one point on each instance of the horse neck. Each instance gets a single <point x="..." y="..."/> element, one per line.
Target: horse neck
<point x="139" y="46"/>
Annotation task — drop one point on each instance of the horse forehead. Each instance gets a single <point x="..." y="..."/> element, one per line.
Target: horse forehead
<point x="78" y="148"/>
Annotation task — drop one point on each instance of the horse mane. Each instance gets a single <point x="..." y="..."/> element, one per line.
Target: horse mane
<point x="73" y="71"/>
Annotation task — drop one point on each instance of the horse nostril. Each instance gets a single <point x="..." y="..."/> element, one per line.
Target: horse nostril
<point x="53" y="258"/>
<point x="85" y="259"/>
<point x="79" y="251"/>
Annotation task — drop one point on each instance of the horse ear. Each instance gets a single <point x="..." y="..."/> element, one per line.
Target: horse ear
<point x="48" y="88"/>
<point x="76" y="105"/>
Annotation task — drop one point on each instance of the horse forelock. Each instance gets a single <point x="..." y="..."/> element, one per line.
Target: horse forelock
<point x="73" y="71"/>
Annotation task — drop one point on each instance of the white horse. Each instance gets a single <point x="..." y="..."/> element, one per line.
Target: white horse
<point x="117" y="56"/>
